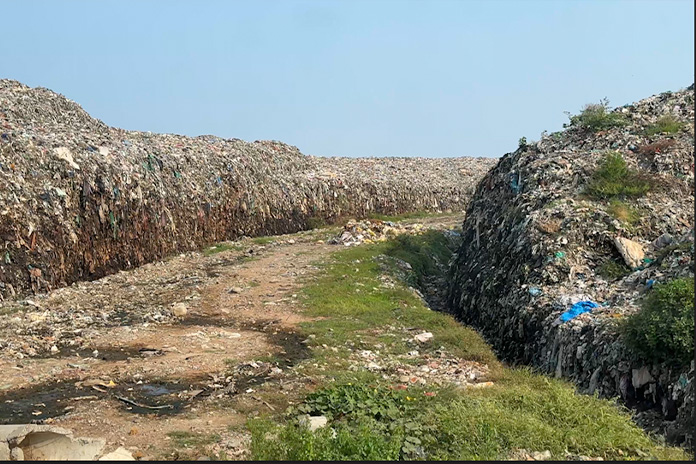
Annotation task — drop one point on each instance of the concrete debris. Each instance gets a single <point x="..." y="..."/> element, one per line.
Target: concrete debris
<point x="632" y="252"/>
<point x="119" y="454"/>
<point x="534" y="243"/>
<point x="32" y="442"/>
<point x="314" y="422"/>
<point x="179" y="310"/>
<point x="81" y="200"/>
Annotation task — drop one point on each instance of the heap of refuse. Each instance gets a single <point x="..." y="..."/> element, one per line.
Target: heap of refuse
<point x="372" y="230"/>
<point x="80" y="200"/>
<point x="533" y="272"/>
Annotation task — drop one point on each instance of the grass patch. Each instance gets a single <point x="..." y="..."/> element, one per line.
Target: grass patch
<point x="427" y="253"/>
<point x="523" y="410"/>
<point x="614" y="179"/>
<point x="220" y="247"/>
<point x="667" y="124"/>
<point x="613" y="270"/>
<point x="623" y="212"/>
<point x="183" y="439"/>
<point x="263" y="240"/>
<point x="596" y="117"/>
<point x="663" y="329"/>
<point x="403" y="216"/>
<point x="369" y="419"/>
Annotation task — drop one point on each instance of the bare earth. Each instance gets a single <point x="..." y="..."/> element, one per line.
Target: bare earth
<point x="153" y="373"/>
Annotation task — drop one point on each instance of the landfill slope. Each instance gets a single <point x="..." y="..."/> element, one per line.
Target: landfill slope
<point x="533" y="243"/>
<point x="80" y="199"/>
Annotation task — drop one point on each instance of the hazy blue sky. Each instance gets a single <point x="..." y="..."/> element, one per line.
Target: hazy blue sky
<point x="350" y="78"/>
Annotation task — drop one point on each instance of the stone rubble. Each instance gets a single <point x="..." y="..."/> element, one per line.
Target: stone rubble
<point x="534" y="244"/>
<point x="80" y="200"/>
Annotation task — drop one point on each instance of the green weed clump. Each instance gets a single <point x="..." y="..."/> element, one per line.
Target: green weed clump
<point x="667" y="124"/>
<point x="612" y="270"/>
<point x="596" y="117"/>
<point x="614" y="179"/>
<point x="426" y="253"/>
<point x="522" y="410"/>
<point x="663" y="329"/>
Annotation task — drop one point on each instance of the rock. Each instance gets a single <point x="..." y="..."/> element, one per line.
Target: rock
<point x="423" y="337"/>
<point x="4" y="451"/>
<point x="641" y="377"/>
<point x="236" y="290"/>
<point x="314" y="422"/>
<point x="632" y="252"/>
<point x="541" y="455"/>
<point x="119" y="454"/>
<point x="179" y="310"/>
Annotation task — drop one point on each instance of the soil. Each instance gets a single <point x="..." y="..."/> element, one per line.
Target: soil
<point x="133" y="382"/>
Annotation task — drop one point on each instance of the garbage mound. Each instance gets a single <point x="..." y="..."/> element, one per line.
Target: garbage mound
<point x="372" y="230"/>
<point x="563" y="240"/>
<point x="81" y="200"/>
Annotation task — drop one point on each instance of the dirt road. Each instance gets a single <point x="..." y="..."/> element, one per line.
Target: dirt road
<point x="169" y="356"/>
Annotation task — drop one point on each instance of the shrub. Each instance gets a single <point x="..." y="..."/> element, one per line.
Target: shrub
<point x="613" y="179"/>
<point x="596" y="117"/>
<point x="522" y="143"/>
<point x="611" y="269"/>
<point x="623" y="212"/>
<point x="667" y="124"/>
<point x="663" y="330"/>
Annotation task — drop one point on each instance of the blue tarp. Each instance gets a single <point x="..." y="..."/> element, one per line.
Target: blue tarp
<point x="577" y="309"/>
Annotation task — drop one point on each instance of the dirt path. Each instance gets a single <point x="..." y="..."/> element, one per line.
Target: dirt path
<point x="109" y="359"/>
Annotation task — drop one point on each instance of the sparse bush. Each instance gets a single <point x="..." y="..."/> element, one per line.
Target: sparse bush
<point x="623" y="212"/>
<point x="612" y="270"/>
<point x="667" y="124"/>
<point x="614" y="179"/>
<point x="522" y="143"/>
<point x="663" y="330"/>
<point x="597" y="117"/>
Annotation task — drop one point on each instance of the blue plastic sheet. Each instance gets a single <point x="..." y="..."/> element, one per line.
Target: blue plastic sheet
<point x="577" y="309"/>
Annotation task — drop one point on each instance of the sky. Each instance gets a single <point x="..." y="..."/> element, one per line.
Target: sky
<point x="350" y="78"/>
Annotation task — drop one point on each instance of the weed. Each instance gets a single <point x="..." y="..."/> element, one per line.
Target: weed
<point x="263" y="240"/>
<point x="666" y="124"/>
<point x="663" y="329"/>
<point x="183" y="439"/>
<point x="623" y="212"/>
<point x="220" y="247"/>
<point x="596" y="117"/>
<point x="612" y="270"/>
<point x="614" y="179"/>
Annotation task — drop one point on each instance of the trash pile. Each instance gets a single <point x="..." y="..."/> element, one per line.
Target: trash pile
<point x="372" y="230"/>
<point x="546" y="269"/>
<point x="80" y="199"/>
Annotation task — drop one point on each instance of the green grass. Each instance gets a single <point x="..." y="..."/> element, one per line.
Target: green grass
<point x="667" y="124"/>
<point x="264" y="240"/>
<point x="612" y="270"/>
<point x="220" y="247"/>
<point x="663" y="329"/>
<point x="623" y="212"/>
<point x="614" y="179"/>
<point x="183" y="439"/>
<point x="404" y="216"/>
<point x="369" y="420"/>
<point x="596" y="117"/>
